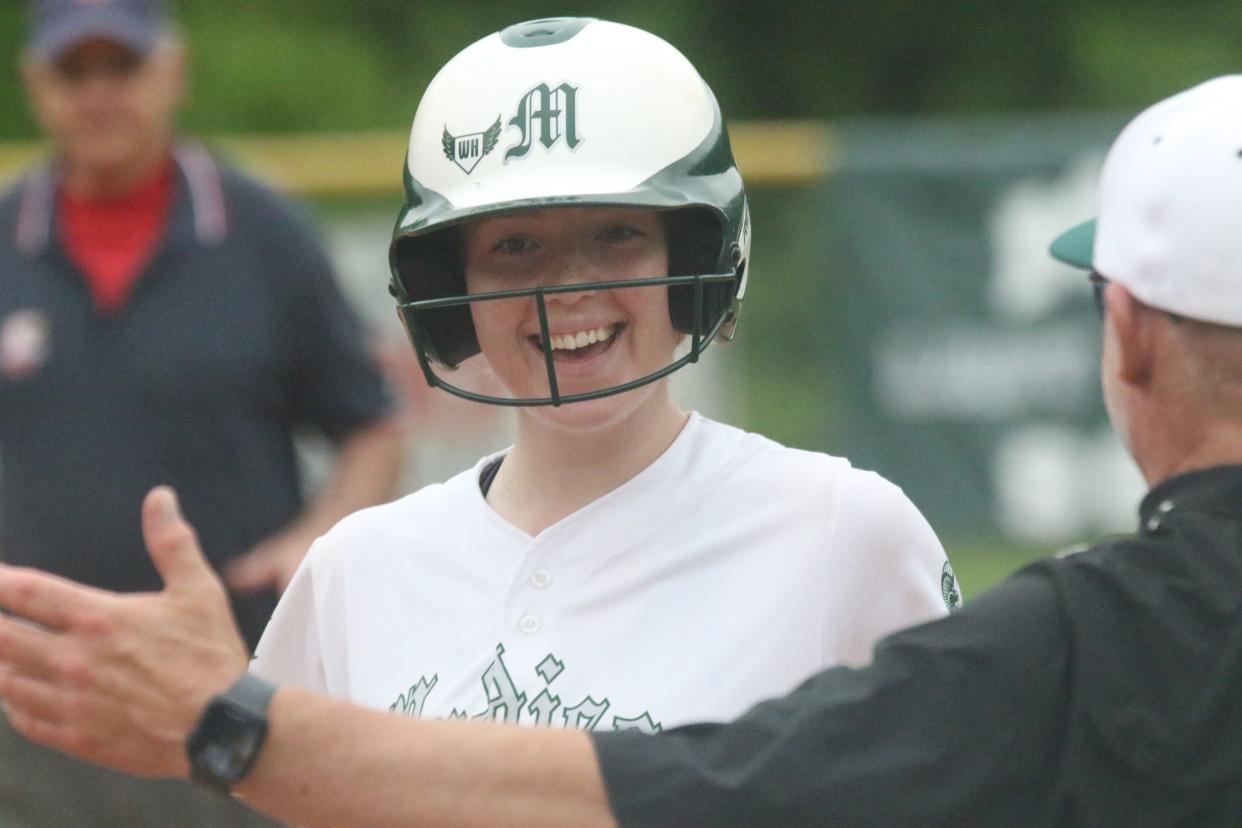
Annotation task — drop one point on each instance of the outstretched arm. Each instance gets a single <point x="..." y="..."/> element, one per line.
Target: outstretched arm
<point x="329" y="763"/>
<point x="120" y="680"/>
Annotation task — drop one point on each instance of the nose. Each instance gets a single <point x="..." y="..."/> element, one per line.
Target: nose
<point x="572" y="267"/>
<point x="96" y="90"/>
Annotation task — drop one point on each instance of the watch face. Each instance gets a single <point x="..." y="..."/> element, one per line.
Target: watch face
<point x="226" y="742"/>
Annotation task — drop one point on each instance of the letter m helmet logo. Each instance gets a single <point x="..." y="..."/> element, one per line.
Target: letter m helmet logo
<point x="546" y="114"/>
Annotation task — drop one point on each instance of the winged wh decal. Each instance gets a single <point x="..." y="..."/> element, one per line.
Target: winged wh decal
<point x="467" y="150"/>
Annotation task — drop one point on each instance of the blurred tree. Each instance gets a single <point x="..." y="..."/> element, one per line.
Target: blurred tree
<point x="294" y="65"/>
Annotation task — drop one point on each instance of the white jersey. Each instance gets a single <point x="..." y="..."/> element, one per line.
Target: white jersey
<point x="726" y="572"/>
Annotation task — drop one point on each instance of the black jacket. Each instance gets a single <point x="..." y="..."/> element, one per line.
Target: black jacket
<point x="1101" y="688"/>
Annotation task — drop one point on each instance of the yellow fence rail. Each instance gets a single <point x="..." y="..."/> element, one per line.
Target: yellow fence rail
<point x="367" y="164"/>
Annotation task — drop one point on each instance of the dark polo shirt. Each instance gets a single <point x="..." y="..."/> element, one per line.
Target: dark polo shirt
<point x="235" y="335"/>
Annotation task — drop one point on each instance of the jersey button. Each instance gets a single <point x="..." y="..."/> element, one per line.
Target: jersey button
<point x="530" y="624"/>
<point x="540" y="578"/>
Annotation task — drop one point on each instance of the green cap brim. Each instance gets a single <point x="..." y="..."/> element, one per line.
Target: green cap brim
<point x="1076" y="245"/>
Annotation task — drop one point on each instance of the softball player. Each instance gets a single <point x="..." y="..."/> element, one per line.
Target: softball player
<point x="574" y="231"/>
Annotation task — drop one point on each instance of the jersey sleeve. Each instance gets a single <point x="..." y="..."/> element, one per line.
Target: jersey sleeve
<point x="961" y="720"/>
<point x="290" y="653"/>
<point x="891" y="571"/>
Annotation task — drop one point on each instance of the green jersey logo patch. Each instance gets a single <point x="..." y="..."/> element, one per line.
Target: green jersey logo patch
<point x="949" y="590"/>
<point x="467" y="150"/>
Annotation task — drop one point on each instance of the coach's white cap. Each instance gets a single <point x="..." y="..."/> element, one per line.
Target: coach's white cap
<point x="1170" y="218"/>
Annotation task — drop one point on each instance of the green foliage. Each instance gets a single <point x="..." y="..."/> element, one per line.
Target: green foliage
<point x="253" y="76"/>
<point x="1138" y="54"/>
<point x="15" y="120"/>
<point x="297" y="65"/>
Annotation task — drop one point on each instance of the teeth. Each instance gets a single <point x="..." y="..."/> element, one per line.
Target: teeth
<point x="581" y="339"/>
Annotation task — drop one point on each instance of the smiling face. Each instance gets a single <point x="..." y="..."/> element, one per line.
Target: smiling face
<point x="599" y="338"/>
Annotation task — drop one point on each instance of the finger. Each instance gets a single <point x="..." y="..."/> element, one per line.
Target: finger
<point x="52" y="734"/>
<point x="25" y="649"/>
<point x="43" y="598"/>
<point x="32" y="697"/>
<point x="171" y="541"/>
<point x="57" y="735"/>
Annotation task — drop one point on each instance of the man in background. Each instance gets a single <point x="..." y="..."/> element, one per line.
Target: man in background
<point x="162" y="319"/>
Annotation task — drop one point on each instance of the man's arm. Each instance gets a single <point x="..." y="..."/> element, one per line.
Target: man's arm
<point x="960" y="719"/>
<point x="367" y="466"/>
<point x="120" y="680"/>
<point x="329" y="763"/>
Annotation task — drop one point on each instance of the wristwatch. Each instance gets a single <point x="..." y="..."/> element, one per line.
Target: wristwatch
<point x="225" y="743"/>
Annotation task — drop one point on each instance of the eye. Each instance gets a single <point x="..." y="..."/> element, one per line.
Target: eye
<point x="123" y="65"/>
<point x="513" y="245"/>
<point x="619" y="233"/>
<point x="120" y="66"/>
<point x="71" y="71"/>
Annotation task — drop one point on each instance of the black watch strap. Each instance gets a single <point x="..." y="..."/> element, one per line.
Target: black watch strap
<point x="251" y="692"/>
<point x="224" y="745"/>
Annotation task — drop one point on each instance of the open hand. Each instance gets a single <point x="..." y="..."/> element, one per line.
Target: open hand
<point x="120" y="679"/>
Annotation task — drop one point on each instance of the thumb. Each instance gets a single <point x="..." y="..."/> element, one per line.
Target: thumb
<point x="171" y="542"/>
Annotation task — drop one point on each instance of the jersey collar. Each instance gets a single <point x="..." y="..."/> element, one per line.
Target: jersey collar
<point x="200" y="177"/>
<point x="1214" y="490"/>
